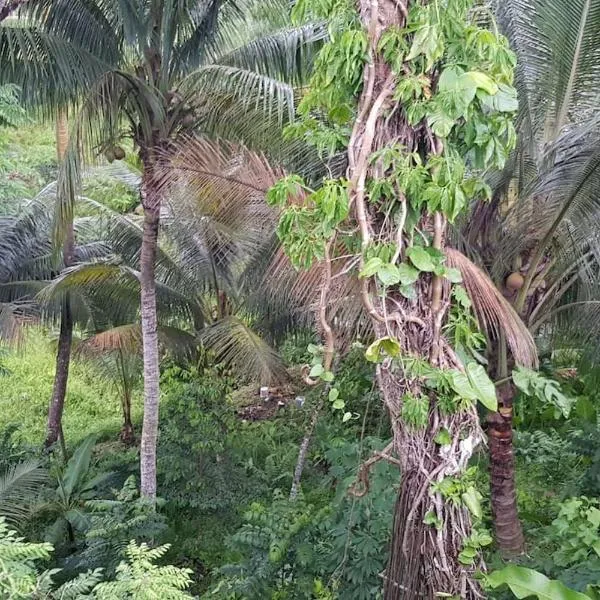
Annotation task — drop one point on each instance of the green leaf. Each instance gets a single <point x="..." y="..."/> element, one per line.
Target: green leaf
<point x="388" y="274"/>
<point x="471" y="499"/>
<point x="339" y="404"/>
<point x="453" y="275"/>
<point x="333" y="394"/>
<point x="327" y="376"/>
<point x="316" y="371"/>
<point x="408" y="274"/>
<point x="385" y="345"/>
<point x="421" y="259"/>
<point x="461" y="385"/>
<point x="484" y="387"/>
<point x="527" y="582"/>
<point x="78" y="465"/>
<point x="347" y="416"/>
<point x="371" y="267"/>
<point x="482" y="81"/>
<point x="408" y="291"/>
<point x="442" y="437"/>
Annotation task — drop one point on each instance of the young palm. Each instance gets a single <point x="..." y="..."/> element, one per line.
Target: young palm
<point x="148" y="71"/>
<point x="537" y="238"/>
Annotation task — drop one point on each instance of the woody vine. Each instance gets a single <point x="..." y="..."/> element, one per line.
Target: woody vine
<point x="419" y="99"/>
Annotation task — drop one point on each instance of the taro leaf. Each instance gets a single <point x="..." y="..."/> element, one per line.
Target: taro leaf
<point x="525" y="583"/>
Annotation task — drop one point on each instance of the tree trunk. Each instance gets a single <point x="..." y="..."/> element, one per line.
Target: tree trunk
<point x="65" y="339"/>
<point x="509" y="533"/>
<point x="151" y="203"/>
<point x="127" y="434"/>
<point x="303" y="452"/>
<point x="424" y="558"/>
<point x="63" y="359"/>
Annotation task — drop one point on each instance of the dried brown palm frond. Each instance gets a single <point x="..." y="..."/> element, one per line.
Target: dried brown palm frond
<point x="494" y="312"/>
<point x="128" y="339"/>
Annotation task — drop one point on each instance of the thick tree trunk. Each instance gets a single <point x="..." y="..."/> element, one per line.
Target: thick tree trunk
<point x="424" y="558"/>
<point x="65" y="339"/>
<point x="151" y="203"/>
<point x="507" y="526"/>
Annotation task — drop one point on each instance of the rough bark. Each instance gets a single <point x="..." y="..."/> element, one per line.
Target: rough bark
<point x="507" y="526"/>
<point x="61" y="377"/>
<point x="423" y="558"/>
<point x="63" y="355"/>
<point x="149" y="437"/>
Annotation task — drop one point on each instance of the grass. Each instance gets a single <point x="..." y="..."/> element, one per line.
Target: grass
<point x="92" y="404"/>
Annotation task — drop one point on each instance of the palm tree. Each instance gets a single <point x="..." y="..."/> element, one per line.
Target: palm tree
<point x="537" y="238"/>
<point x="148" y="73"/>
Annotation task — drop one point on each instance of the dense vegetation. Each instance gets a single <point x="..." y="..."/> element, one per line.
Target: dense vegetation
<point x="299" y="299"/>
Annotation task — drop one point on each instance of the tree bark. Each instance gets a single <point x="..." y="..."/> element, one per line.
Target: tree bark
<point x="61" y="377"/>
<point x="149" y="437"/>
<point x="507" y="526"/>
<point x="303" y="452"/>
<point x="65" y="339"/>
<point x="424" y="558"/>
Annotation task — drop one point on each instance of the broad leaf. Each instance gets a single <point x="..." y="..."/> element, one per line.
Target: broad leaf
<point x="483" y="386"/>
<point x="78" y="465"/>
<point x="421" y="259"/>
<point x="525" y="583"/>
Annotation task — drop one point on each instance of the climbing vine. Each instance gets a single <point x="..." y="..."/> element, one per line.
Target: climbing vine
<point x="418" y="97"/>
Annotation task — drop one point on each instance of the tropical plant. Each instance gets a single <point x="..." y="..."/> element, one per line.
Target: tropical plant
<point x="18" y="573"/>
<point x="150" y="73"/>
<point x="422" y="104"/>
<point x="534" y="237"/>
<point x="67" y="502"/>
<point x="11" y="112"/>
<point x="20" y="486"/>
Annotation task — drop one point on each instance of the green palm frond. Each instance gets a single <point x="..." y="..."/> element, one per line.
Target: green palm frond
<point x="19" y="488"/>
<point x="246" y="353"/>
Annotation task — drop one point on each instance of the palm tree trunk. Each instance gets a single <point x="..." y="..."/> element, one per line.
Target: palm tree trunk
<point x="63" y="359"/>
<point x="63" y="356"/>
<point x="509" y="533"/>
<point x="151" y="203"/>
<point x="127" y="434"/>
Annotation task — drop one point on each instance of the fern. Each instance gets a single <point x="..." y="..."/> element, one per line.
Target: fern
<point x="140" y="579"/>
<point x="18" y="574"/>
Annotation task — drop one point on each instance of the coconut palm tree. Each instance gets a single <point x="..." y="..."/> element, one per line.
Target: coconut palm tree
<point x="147" y="72"/>
<point x="537" y="238"/>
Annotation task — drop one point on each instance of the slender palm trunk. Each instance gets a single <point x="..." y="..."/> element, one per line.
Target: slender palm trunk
<point x="509" y="533"/>
<point x="127" y="434"/>
<point x="63" y="355"/>
<point x="151" y="203"/>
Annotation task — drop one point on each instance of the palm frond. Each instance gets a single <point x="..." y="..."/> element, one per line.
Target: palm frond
<point x="236" y="345"/>
<point x="19" y="488"/>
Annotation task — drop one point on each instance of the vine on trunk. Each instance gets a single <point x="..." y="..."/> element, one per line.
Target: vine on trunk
<point x="420" y="99"/>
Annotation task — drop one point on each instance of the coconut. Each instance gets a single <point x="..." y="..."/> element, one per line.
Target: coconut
<point x="119" y="153"/>
<point x="109" y="154"/>
<point x="515" y="281"/>
<point x="189" y="120"/>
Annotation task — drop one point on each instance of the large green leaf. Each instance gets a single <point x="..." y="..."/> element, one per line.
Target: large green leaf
<point x="483" y="386"/>
<point x="78" y="465"/>
<point x="526" y="583"/>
